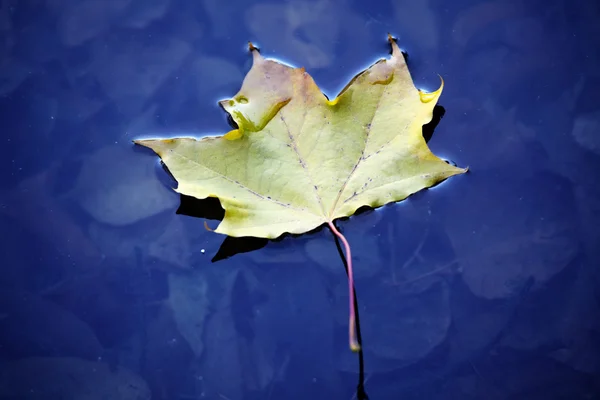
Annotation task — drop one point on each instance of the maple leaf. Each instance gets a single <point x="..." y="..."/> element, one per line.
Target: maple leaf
<point x="299" y="160"/>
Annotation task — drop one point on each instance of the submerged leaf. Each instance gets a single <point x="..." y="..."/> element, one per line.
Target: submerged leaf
<point x="190" y="305"/>
<point x="299" y="160"/>
<point x="69" y="378"/>
<point x="122" y="192"/>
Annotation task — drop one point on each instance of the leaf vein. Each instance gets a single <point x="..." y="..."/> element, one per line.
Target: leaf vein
<point x="360" y="159"/>
<point x="278" y="202"/>
<point x="302" y="163"/>
<point x="356" y="194"/>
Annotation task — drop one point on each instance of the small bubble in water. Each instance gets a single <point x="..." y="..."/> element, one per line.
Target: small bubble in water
<point x="202" y="251"/>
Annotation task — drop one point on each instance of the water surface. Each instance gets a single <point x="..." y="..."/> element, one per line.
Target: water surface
<point x="484" y="287"/>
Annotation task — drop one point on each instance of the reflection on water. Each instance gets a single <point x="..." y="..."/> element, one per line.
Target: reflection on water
<point x="485" y="289"/>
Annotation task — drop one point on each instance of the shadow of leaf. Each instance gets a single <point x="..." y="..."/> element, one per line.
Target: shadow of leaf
<point x="438" y="114"/>
<point x="210" y="208"/>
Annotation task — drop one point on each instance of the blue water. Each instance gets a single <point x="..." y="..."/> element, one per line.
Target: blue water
<point x="484" y="287"/>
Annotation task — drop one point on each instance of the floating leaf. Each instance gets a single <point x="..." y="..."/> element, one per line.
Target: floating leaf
<point x="299" y="160"/>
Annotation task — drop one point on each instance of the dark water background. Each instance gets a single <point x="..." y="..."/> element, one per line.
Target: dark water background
<point x="485" y="287"/>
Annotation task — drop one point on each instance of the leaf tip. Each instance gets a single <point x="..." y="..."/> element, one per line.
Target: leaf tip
<point x="396" y="52"/>
<point x="458" y="171"/>
<point x="144" y="143"/>
<point x="427" y="97"/>
<point x="256" y="56"/>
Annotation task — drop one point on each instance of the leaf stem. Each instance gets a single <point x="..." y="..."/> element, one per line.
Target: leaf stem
<point x="354" y="345"/>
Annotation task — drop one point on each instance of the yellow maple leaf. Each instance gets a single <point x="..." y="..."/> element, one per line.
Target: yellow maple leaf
<point x="299" y="160"/>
